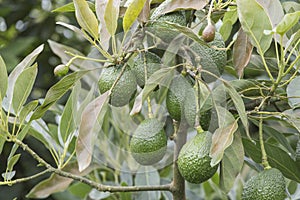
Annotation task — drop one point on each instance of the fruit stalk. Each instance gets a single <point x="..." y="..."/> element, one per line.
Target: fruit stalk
<point x="178" y="184"/>
<point x="265" y="162"/>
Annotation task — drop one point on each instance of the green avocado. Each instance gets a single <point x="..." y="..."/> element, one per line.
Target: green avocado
<point x="267" y="185"/>
<point x="148" y="144"/>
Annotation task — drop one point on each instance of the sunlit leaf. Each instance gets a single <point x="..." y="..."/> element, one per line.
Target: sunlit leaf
<point x="23" y="87"/>
<point x="255" y="24"/>
<point x="86" y="18"/>
<point x="72" y="28"/>
<point x="137" y="106"/>
<point x="71" y="8"/>
<point x="3" y="79"/>
<point x="293" y="92"/>
<point x="111" y="16"/>
<point x="134" y="9"/>
<point x="86" y="136"/>
<point x="27" y="109"/>
<point x="100" y="12"/>
<point x="242" y="50"/>
<point x="221" y="139"/>
<point x="56" y="92"/>
<point x="277" y="158"/>
<point x="239" y="105"/>
<point x="12" y="161"/>
<point x="292" y="42"/>
<point x="288" y="21"/>
<point x="9" y="175"/>
<point x="25" y="63"/>
<point x="232" y="163"/>
<point x="172" y="5"/>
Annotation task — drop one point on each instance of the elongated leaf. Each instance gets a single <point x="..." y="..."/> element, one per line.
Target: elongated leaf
<point x="288" y="21"/>
<point x="230" y="17"/>
<point x="172" y="5"/>
<point x="56" y="92"/>
<point x="12" y="162"/>
<point x="276" y="157"/>
<point x="145" y="13"/>
<point x="71" y="8"/>
<point x="55" y="183"/>
<point x="155" y="79"/>
<point x="111" y="16"/>
<point x="104" y="34"/>
<point x="232" y="163"/>
<point x="27" y="109"/>
<point x="148" y="176"/>
<point x="25" y="63"/>
<point x="23" y="87"/>
<point x="132" y="12"/>
<point x="72" y="28"/>
<point x="221" y="139"/>
<point x="239" y="105"/>
<point x="3" y="79"/>
<point x="86" y="18"/>
<point x="293" y="92"/>
<point x="137" y="106"/>
<point x="86" y="136"/>
<point x="242" y="50"/>
<point x="292" y="42"/>
<point x="255" y="24"/>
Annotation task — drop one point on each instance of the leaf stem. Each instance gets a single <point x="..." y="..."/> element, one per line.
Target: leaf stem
<point x="265" y="162"/>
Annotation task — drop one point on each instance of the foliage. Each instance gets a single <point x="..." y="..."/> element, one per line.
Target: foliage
<point x="251" y="98"/>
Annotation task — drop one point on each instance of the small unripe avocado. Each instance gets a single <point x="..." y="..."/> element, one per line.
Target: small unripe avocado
<point x="123" y="90"/>
<point x="208" y="34"/>
<point x="267" y="185"/>
<point x="148" y="144"/>
<point x="194" y="160"/>
<point x="61" y="70"/>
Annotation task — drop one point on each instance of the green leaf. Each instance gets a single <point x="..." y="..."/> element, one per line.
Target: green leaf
<point x="230" y="17"/>
<point x="25" y="63"/>
<point x="242" y="50"/>
<point x="277" y="158"/>
<point x="111" y="16"/>
<point x="56" y="92"/>
<point x="288" y="21"/>
<point x="12" y="162"/>
<point x="23" y="87"/>
<point x="86" y="18"/>
<point x="89" y="128"/>
<point x="132" y="12"/>
<point x="55" y="183"/>
<point x="239" y="105"/>
<point x="155" y="79"/>
<point x="80" y="190"/>
<point x="71" y="8"/>
<point x="293" y="92"/>
<point x="3" y="79"/>
<point x="221" y="139"/>
<point x="255" y="24"/>
<point x="67" y="122"/>
<point x="232" y="163"/>
<point x="292" y="42"/>
<point x="27" y="109"/>
<point x="147" y="176"/>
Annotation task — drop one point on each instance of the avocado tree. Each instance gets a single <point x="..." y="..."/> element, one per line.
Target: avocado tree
<point x="175" y="100"/>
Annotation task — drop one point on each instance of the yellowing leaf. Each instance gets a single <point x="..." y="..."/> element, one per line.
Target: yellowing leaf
<point x="132" y="12"/>
<point x="86" y="18"/>
<point x="111" y="15"/>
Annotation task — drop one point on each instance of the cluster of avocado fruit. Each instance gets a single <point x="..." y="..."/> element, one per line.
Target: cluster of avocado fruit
<point x="148" y="144"/>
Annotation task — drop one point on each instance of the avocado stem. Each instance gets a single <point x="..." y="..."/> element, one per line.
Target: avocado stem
<point x="265" y="162"/>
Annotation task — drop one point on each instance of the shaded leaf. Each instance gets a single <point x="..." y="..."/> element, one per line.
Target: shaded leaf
<point x="55" y="183"/>
<point x="86" y="18"/>
<point x="71" y="8"/>
<point x="21" y="135"/>
<point x="273" y="9"/>
<point x="242" y="50"/>
<point x="85" y="140"/>
<point x="23" y="87"/>
<point x="104" y="34"/>
<point x="3" y="79"/>
<point x="111" y="16"/>
<point x="145" y="13"/>
<point x="230" y="17"/>
<point x="255" y="24"/>
<point x="137" y="106"/>
<point x="221" y="139"/>
<point x="8" y="175"/>
<point x="293" y="92"/>
<point x="232" y="163"/>
<point x="288" y="21"/>
<point x="292" y="41"/>
<point x="134" y="9"/>
<point x="293" y="117"/>
<point x="172" y="5"/>
<point x="277" y="158"/>
<point x="56" y="92"/>
<point x="27" y="109"/>
<point x="239" y="105"/>
<point x="25" y="63"/>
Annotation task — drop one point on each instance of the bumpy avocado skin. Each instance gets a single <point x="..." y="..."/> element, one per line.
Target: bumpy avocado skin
<point x="148" y="144"/>
<point x="124" y="89"/>
<point x="152" y="62"/>
<point x="194" y="161"/>
<point x="267" y="185"/>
